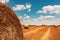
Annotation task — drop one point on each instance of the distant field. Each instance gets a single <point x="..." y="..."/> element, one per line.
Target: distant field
<point x="41" y="33"/>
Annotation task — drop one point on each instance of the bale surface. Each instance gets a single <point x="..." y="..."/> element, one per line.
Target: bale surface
<point x="10" y="27"/>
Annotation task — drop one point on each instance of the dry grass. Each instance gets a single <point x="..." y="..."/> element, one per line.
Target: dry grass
<point x="42" y="33"/>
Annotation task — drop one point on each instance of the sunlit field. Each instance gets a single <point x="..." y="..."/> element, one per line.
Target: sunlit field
<point x="41" y="32"/>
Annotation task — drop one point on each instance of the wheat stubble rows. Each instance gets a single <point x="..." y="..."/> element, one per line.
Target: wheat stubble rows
<point x="42" y="33"/>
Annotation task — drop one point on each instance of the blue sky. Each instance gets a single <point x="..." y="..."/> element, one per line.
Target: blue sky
<point x="36" y="12"/>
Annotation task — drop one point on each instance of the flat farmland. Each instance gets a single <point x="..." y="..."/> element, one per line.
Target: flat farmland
<point x="41" y="33"/>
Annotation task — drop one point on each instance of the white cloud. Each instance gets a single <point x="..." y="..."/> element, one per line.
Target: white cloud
<point x="46" y="17"/>
<point x="29" y="10"/>
<point x="41" y="22"/>
<point x="24" y="14"/>
<point x="53" y="21"/>
<point x="50" y="9"/>
<point x="4" y="1"/>
<point x="19" y="17"/>
<point x="49" y="17"/>
<point x="19" y="7"/>
<point x="28" y="6"/>
<point x="22" y="7"/>
<point x="27" y="17"/>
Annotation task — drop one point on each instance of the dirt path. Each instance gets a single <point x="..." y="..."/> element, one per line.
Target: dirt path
<point x="46" y="35"/>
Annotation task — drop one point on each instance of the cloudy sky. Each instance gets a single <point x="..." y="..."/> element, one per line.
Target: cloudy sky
<point x="36" y="12"/>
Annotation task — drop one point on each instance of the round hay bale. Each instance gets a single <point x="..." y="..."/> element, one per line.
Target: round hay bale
<point x="26" y="26"/>
<point x="10" y="27"/>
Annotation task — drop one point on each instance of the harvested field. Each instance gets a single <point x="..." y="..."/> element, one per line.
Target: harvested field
<point x="42" y="33"/>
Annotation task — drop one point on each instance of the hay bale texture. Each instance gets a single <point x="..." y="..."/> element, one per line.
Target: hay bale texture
<point x="10" y="27"/>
